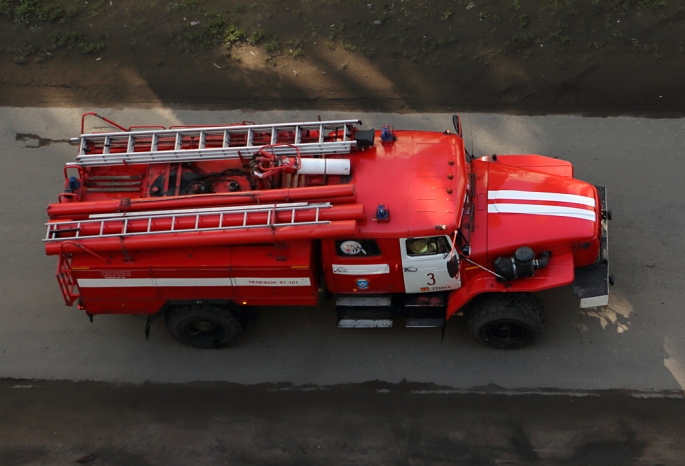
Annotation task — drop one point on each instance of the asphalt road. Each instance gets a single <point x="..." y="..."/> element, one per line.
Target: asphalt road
<point x="637" y="344"/>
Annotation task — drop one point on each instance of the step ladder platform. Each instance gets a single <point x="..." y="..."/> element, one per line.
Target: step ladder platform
<point x="365" y="323"/>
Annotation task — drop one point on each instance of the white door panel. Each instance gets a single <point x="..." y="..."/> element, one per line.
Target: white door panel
<point x="425" y="270"/>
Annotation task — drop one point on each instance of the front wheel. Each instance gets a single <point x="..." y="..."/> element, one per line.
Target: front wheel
<point x="507" y="320"/>
<point x="205" y="326"/>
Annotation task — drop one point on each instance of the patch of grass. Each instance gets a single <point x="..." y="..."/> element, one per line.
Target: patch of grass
<point x="367" y="51"/>
<point x="521" y="20"/>
<point x="347" y="46"/>
<point x="81" y="42"/>
<point x="95" y="7"/>
<point x="209" y="34"/>
<point x="256" y="37"/>
<point x="271" y="45"/>
<point x="650" y="5"/>
<point x="64" y="41"/>
<point x="187" y="5"/>
<point x="233" y="35"/>
<point x="295" y="49"/>
<point x="520" y="41"/>
<point x="31" y="11"/>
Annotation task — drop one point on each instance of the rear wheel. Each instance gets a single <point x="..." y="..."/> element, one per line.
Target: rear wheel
<point x="507" y="320"/>
<point x="205" y="326"/>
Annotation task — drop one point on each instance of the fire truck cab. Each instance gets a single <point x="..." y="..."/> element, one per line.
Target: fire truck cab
<point x="202" y="225"/>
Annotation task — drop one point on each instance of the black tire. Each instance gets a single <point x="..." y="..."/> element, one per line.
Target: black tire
<point x="507" y="320"/>
<point x="205" y="326"/>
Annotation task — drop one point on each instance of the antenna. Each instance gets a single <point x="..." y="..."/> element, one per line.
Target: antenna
<point x="471" y="131"/>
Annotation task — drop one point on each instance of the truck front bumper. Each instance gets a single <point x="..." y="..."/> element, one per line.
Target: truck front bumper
<point x="592" y="283"/>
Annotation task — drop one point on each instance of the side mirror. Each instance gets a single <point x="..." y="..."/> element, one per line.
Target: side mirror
<point x="453" y="265"/>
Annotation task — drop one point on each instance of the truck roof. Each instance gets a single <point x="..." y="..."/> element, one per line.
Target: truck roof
<point x="420" y="178"/>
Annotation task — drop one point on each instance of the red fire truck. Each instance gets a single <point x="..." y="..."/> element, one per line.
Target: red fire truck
<point x="202" y="225"/>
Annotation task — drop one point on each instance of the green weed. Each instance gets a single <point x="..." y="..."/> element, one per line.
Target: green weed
<point x="233" y="35"/>
<point x="520" y="41"/>
<point x="256" y="37"/>
<point x="209" y="34"/>
<point x="271" y="45"/>
<point x="29" y="11"/>
<point x="295" y="49"/>
<point x="521" y="20"/>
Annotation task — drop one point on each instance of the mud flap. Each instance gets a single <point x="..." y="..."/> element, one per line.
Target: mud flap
<point x="591" y="283"/>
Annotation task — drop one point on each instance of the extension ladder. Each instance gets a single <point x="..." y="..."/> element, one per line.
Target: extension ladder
<point x="188" y="221"/>
<point x="212" y="143"/>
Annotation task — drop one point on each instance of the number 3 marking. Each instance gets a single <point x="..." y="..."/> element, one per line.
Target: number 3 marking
<point x="431" y="276"/>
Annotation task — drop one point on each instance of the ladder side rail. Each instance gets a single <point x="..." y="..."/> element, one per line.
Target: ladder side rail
<point x="208" y="210"/>
<point x="196" y="155"/>
<point x="270" y="210"/>
<point x="216" y="228"/>
<point x="170" y="132"/>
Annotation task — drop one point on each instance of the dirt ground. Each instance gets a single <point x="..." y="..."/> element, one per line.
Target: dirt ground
<point x="46" y="423"/>
<point x="598" y="57"/>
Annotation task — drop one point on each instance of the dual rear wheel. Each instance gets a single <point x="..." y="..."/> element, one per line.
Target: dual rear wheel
<point x="204" y="326"/>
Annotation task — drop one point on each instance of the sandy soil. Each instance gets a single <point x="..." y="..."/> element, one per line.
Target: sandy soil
<point x="600" y="57"/>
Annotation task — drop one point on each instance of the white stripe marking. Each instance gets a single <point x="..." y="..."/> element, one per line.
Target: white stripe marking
<point x="191" y="282"/>
<point x="186" y="282"/>
<point x="361" y="269"/>
<point x="114" y="282"/>
<point x="534" y="209"/>
<point x="534" y="196"/>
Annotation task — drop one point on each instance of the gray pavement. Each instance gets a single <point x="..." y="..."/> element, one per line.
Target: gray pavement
<point x="638" y="343"/>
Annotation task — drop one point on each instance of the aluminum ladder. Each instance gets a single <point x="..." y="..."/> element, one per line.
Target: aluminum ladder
<point x="184" y="221"/>
<point x="211" y="143"/>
